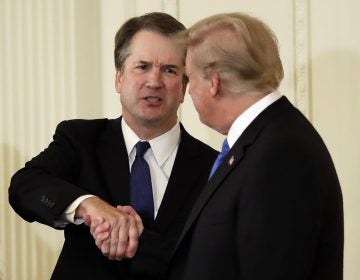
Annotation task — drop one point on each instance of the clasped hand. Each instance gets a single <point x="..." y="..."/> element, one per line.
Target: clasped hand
<point x="116" y="230"/>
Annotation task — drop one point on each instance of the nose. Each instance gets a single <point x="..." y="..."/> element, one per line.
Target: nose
<point x="155" y="78"/>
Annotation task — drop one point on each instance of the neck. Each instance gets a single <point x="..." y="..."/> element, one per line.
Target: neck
<point x="148" y="130"/>
<point x="233" y="106"/>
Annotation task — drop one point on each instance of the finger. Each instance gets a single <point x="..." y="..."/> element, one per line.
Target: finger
<point x="133" y="241"/>
<point x="140" y="227"/>
<point x="112" y="245"/>
<point x="95" y="223"/>
<point x="129" y="210"/>
<point x="139" y="223"/>
<point x="100" y="240"/>
<point x="123" y="239"/>
<point x="102" y="237"/>
<point x="137" y="218"/>
<point x="103" y="227"/>
<point x="105" y="247"/>
<point x="87" y="220"/>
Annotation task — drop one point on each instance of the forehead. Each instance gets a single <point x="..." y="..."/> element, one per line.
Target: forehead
<point x="152" y="46"/>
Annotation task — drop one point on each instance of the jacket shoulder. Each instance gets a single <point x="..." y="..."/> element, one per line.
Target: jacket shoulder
<point x="80" y="128"/>
<point x="195" y="146"/>
<point x="83" y="124"/>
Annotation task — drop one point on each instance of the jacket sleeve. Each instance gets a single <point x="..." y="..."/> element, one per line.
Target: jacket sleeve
<point x="43" y="189"/>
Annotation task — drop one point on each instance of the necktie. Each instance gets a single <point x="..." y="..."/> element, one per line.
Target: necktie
<point x="140" y="185"/>
<point x="224" y="150"/>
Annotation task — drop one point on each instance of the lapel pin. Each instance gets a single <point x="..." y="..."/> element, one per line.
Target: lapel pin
<point x="231" y="160"/>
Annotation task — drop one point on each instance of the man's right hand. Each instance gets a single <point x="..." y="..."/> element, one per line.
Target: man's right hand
<point x="116" y="230"/>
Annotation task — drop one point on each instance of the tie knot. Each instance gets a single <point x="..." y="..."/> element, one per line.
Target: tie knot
<point x="141" y="148"/>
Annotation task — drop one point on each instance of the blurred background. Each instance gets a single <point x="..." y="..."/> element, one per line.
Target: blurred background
<point x="56" y="62"/>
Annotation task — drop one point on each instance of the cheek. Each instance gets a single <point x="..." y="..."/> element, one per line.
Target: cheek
<point x="176" y="87"/>
<point x="131" y="81"/>
<point x="194" y="91"/>
<point x="196" y="101"/>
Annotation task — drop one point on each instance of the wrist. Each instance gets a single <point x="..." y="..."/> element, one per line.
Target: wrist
<point x="83" y="207"/>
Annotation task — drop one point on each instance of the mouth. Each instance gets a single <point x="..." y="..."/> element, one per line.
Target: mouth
<point x="153" y="99"/>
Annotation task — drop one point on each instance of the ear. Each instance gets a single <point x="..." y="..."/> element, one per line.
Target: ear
<point x="118" y="79"/>
<point x="184" y="87"/>
<point x="214" y="84"/>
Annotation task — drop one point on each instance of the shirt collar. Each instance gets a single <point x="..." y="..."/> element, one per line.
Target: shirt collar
<point x="161" y="146"/>
<point x="244" y="120"/>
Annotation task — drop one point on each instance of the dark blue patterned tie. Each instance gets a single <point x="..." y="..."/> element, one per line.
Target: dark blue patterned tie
<point x="140" y="184"/>
<point x="224" y="150"/>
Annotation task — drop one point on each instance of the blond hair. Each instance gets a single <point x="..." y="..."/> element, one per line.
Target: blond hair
<point x="241" y="49"/>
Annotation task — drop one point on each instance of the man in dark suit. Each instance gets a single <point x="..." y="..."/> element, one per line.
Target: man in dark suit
<point x="85" y="172"/>
<point x="273" y="208"/>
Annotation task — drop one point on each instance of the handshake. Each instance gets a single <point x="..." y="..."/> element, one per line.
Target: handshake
<point x="116" y="230"/>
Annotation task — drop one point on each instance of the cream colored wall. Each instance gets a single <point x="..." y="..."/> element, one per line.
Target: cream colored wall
<point x="49" y="71"/>
<point x="335" y="79"/>
<point x="56" y="62"/>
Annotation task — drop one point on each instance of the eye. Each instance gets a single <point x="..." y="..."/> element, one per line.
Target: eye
<point x="141" y="66"/>
<point x="170" y="70"/>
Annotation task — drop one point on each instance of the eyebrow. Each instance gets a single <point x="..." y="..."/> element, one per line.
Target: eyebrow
<point x="163" y="65"/>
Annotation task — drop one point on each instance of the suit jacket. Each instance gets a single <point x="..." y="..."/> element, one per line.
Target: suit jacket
<point x="273" y="209"/>
<point x="90" y="157"/>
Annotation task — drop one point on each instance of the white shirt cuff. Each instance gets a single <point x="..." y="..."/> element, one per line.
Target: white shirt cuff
<point x="69" y="213"/>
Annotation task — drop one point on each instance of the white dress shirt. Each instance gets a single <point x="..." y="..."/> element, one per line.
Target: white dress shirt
<point x="244" y="120"/>
<point x="160" y="157"/>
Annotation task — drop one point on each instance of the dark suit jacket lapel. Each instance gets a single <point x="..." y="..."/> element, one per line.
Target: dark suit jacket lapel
<point x="237" y="152"/>
<point x="183" y="180"/>
<point x="114" y="163"/>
